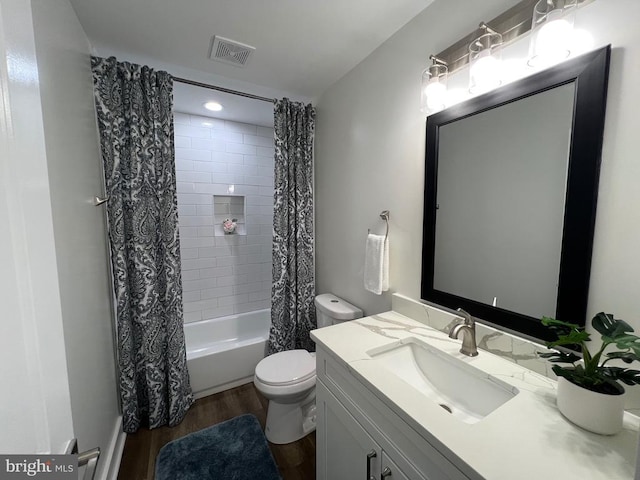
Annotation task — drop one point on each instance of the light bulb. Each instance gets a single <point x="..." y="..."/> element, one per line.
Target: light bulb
<point x="435" y="92"/>
<point x="485" y="73"/>
<point x="581" y="41"/>
<point x="552" y="39"/>
<point x="434" y="88"/>
<point x="551" y="42"/>
<point x="485" y="69"/>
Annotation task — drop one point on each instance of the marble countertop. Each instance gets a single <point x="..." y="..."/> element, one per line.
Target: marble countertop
<point x="526" y="438"/>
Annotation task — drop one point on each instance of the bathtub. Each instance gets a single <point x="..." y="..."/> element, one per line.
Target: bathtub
<point x="223" y="352"/>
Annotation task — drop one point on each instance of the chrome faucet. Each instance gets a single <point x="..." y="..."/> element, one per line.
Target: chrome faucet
<point x="469" y="334"/>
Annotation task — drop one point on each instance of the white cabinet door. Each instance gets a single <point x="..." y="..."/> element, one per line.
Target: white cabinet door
<point x="402" y="446"/>
<point x="345" y="450"/>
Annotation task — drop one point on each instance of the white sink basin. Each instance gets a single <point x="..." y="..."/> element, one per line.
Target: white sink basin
<point x="464" y="391"/>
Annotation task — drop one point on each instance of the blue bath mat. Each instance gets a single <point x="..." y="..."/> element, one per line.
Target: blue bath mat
<point x="232" y="450"/>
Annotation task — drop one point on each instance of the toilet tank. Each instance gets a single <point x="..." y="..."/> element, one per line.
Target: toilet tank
<point x="331" y="310"/>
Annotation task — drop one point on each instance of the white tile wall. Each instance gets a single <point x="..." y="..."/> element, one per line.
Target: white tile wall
<point x="223" y="275"/>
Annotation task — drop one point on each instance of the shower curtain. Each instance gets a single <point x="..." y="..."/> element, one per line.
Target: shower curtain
<point x="135" y="120"/>
<point x="293" y="290"/>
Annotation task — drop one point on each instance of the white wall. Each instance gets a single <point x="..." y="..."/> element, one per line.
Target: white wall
<point x="370" y="156"/>
<point x="36" y="412"/>
<point x="75" y="177"/>
<point x="224" y="274"/>
<point x="614" y="273"/>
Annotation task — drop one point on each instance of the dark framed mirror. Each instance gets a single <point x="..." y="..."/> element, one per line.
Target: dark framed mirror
<point x="511" y="184"/>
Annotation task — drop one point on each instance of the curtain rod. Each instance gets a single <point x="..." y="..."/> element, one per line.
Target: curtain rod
<point x="222" y="89"/>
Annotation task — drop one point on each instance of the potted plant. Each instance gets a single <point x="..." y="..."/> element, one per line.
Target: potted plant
<point x="590" y="393"/>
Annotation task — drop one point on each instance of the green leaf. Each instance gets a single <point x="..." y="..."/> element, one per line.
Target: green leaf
<point x="551" y="322"/>
<point x="627" y="339"/>
<point x="608" y="326"/>
<point x="560" y="357"/>
<point x="636" y="350"/>
<point x="564" y="372"/>
<point x="626" y="375"/>
<point x="622" y="327"/>
<point x="575" y="337"/>
<point x="559" y="326"/>
<point x="626" y="357"/>
<point x="627" y="342"/>
<point x="573" y="372"/>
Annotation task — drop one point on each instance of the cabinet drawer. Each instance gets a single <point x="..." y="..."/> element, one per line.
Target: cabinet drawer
<point x="408" y="449"/>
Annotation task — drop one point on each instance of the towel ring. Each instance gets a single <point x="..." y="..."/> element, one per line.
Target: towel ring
<point x="384" y="215"/>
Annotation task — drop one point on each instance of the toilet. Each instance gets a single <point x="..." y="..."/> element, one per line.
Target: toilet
<point x="288" y="379"/>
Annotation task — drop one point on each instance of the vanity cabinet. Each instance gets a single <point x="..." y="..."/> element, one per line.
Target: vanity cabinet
<point x="360" y="438"/>
<point x="348" y="452"/>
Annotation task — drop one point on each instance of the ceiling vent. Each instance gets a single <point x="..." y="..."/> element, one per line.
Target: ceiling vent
<point x="229" y="51"/>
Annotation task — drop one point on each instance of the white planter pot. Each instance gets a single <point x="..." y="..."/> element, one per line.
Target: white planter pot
<point x="596" y="412"/>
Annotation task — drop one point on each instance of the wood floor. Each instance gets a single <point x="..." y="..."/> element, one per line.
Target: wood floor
<point x="296" y="461"/>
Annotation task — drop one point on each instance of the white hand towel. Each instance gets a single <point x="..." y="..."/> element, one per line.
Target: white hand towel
<point x="376" y="264"/>
<point x="385" y="265"/>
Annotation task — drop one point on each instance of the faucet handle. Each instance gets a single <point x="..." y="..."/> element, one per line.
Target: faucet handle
<point x="468" y="319"/>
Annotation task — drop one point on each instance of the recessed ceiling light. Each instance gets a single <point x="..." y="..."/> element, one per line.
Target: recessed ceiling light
<point x="213" y="106"/>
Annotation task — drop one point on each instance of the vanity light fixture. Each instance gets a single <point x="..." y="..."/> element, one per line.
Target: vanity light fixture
<point x="552" y="29"/>
<point x="433" y="91"/>
<point x="485" y="60"/>
<point x="482" y="49"/>
<point x="213" y="106"/>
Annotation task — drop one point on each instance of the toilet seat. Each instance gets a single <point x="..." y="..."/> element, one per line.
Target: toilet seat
<point x="286" y="368"/>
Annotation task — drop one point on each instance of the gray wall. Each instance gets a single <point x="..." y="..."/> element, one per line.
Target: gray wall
<point x="370" y="156"/>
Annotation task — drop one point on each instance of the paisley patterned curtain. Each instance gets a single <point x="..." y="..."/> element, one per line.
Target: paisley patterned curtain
<point x="135" y="120"/>
<point x="293" y="290"/>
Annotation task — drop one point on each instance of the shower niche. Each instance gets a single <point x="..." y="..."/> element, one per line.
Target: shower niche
<point x="229" y="215"/>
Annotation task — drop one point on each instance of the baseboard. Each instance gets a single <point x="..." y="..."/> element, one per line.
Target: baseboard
<point x="113" y="456"/>
<point x="222" y="388"/>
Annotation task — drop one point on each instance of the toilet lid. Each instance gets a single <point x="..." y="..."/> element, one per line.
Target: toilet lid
<point x="285" y="368"/>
